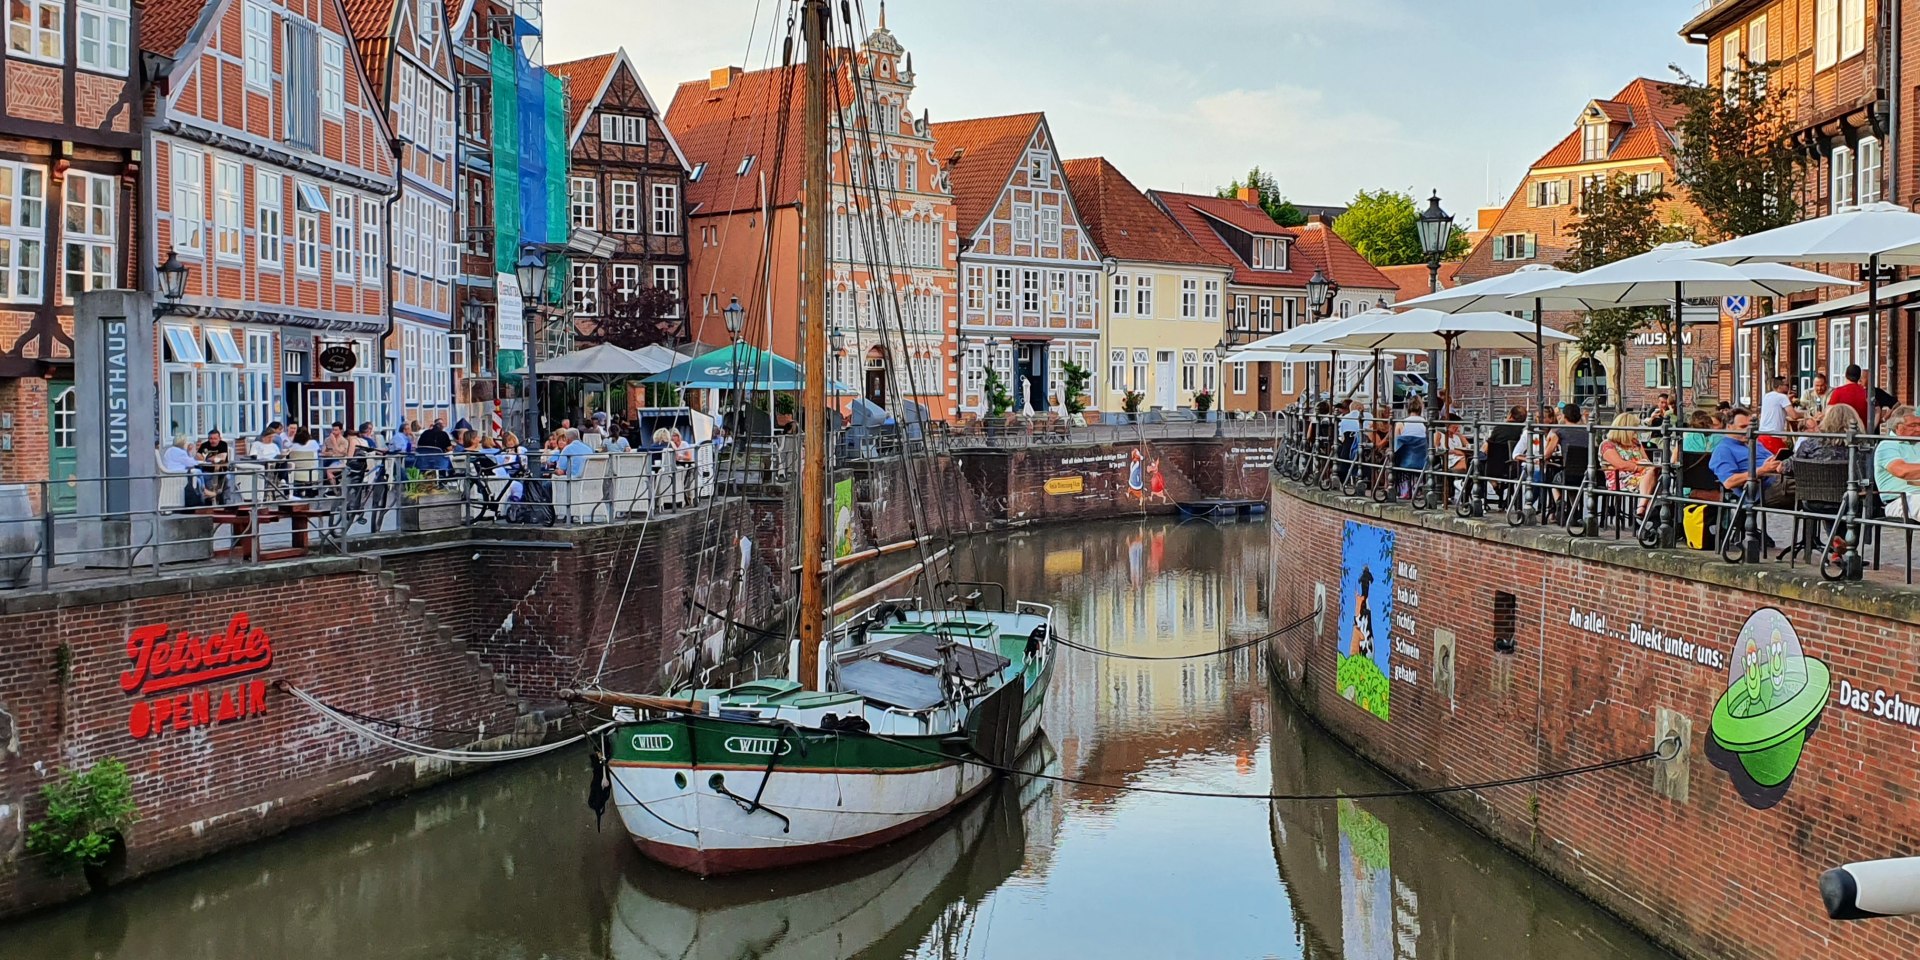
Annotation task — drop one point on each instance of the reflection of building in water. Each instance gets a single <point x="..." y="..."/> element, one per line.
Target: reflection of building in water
<point x="1400" y="880"/>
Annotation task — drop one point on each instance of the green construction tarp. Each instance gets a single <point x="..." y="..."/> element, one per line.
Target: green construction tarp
<point x="506" y="160"/>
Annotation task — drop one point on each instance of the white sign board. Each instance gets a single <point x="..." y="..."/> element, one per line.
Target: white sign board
<point x="513" y="326"/>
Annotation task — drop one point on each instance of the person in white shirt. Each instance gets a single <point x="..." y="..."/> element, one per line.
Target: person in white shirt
<point x="1777" y="416"/>
<point x="265" y="447"/>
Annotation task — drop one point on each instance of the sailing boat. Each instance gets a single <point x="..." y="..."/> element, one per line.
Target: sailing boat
<point x="890" y="719"/>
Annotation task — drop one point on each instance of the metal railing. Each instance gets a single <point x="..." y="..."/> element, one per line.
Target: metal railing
<point x="77" y="529"/>
<point x="1663" y="487"/>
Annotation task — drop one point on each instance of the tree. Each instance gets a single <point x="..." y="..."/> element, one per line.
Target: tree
<point x="1272" y="200"/>
<point x="1383" y="225"/>
<point x="1076" y="377"/>
<point x="1734" y="155"/>
<point x="639" y="318"/>
<point x="1617" y="220"/>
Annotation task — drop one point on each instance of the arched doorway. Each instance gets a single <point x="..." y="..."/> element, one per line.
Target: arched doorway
<point x="1589" y="382"/>
<point x="876" y="376"/>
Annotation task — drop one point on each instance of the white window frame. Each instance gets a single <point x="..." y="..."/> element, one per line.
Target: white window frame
<point x="1117" y="368"/>
<point x="1189" y="298"/>
<point x="189" y="212"/>
<point x="667" y="277"/>
<point x="343" y="256"/>
<point x="1141" y="361"/>
<point x="370" y="211"/>
<point x="666" y="209"/>
<point x="23" y="237"/>
<point x="1839" y="348"/>
<point x="1189" y="370"/>
<point x="306" y="230"/>
<point x="92" y="241"/>
<point x="258" y="45"/>
<point x="1853" y="28"/>
<point x="583" y="287"/>
<point x="1596" y="137"/>
<point x="624" y="278"/>
<point x="229" y="197"/>
<point x="623" y="206"/>
<point x="1209" y="370"/>
<point x="256" y="394"/>
<point x="583" y="202"/>
<point x="976" y="289"/>
<point x="1050" y="226"/>
<point x="42" y="41"/>
<point x="1843" y="180"/>
<point x="1122" y="305"/>
<point x="333" y="77"/>
<point x="1868" y="160"/>
<point x="1002" y="290"/>
<point x="1826" y="33"/>
<point x="1239" y="378"/>
<point x="1022" y="223"/>
<point x="1263" y="314"/>
<point x="103" y="24"/>
<point x="1030" y="302"/>
<point x="269" y="219"/>
<point x="1210" y="301"/>
<point x="1143" y="295"/>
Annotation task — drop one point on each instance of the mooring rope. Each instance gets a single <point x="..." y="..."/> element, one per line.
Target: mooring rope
<point x="342" y="718"/>
<point x="1234" y="648"/>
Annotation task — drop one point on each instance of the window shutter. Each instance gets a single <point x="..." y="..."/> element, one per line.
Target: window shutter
<point x="302" y="89"/>
<point x="1531" y="240"/>
<point x="1659" y="181"/>
<point x="1653" y="373"/>
<point x="1526" y="371"/>
<point x="1499" y="249"/>
<point x="1686" y="372"/>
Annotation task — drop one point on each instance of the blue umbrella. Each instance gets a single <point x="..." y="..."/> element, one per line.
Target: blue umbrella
<point x="737" y="365"/>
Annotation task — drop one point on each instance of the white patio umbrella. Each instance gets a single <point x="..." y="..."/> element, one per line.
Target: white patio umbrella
<point x="1666" y="275"/>
<point x="1878" y="234"/>
<point x="1308" y="334"/>
<point x="1277" y="356"/>
<point x="601" y="361"/>
<point x="1421" y="330"/>
<point x="1499" y="293"/>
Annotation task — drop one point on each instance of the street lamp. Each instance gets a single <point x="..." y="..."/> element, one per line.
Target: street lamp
<point x="173" y="286"/>
<point x="1319" y="302"/>
<point x="1436" y="234"/>
<point x="736" y="318"/>
<point x="531" y="271"/>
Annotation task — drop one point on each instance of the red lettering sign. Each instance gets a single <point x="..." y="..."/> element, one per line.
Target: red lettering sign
<point x="161" y="665"/>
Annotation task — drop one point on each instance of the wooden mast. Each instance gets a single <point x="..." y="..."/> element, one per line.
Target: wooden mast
<point x="813" y="315"/>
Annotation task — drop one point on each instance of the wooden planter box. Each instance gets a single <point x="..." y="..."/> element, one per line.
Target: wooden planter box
<point x="434" y="511"/>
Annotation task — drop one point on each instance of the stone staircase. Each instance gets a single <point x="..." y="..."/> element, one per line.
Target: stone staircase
<point x="532" y="719"/>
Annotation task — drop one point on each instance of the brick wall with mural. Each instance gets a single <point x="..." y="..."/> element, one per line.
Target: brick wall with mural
<point x="1450" y="651"/>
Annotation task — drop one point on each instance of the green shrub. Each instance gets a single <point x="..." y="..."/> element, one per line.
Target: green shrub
<point x="85" y="812"/>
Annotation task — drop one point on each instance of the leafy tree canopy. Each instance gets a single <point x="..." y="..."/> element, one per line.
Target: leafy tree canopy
<point x="1383" y="225"/>
<point x="1734" y="155"/>
<point x="640" y="318"/>
<point x="1272" y="200"/>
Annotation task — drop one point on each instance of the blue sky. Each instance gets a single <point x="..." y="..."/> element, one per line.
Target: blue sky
<point x="1333" y="96"/>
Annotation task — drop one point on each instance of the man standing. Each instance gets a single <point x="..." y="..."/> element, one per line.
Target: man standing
<point x="1896" y="464"/>
<point x="1776" y="416"/>
<point x="1852" y="394"/>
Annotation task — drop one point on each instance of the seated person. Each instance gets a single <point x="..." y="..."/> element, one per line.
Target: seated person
<point x="1733" y="463"/>
<point x="572" y="458"/>
<point x="1896" y="464"/>
<point x="214" y="454"/>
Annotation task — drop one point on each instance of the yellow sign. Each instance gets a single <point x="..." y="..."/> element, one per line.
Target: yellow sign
<point x="1062" y="486"/>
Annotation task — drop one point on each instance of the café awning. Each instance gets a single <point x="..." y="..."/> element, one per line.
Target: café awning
<point x="1827" y="308"/>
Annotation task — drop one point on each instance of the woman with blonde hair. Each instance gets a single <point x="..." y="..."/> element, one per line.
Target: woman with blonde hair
<point x="1624" y="455"/>
<point x="1839" y="425"/>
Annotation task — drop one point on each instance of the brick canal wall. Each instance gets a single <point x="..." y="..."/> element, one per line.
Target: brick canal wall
<point x="1489" y="652"/>
<point x="470" y="630"/>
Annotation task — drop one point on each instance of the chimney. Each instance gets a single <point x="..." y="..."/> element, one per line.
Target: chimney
<point x="1250" y="194"/>
<point x="722" y="78"/>
<point x="1319" y="218"/>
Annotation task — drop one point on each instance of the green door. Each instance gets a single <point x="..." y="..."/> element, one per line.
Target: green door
<point x="62" y="457"/>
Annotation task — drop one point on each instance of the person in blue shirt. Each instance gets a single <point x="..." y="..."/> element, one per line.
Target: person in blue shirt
<point x="1733" y="463"/>
<point x="572" y="458"/>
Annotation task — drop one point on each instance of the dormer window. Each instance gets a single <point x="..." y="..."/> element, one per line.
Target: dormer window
<point x="1594" y="139"/>
<point x="1269" y="253"/>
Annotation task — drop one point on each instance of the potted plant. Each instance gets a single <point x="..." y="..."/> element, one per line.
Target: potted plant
<point x="1130" y="403"/>
<point x="999" y="401"/>
<point x="1076" y="377"/>
<point x="87" y="816"/>
<point x="427" y="504"/>
<point x="1202" y="402"/>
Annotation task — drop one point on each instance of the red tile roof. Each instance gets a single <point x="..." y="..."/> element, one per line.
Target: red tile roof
<point x="166" y="24"/>
<point x="371" y="23"/>
<point x="1648" y="109"/>
<point x="719" y="128"/>
<point x="1338" y="258"/>
<point x="1315" y="245"/>
<point x="583" y="79"/>
<point x="1414" y="281"/>
<point x="1123" y="223"/>
<point x="979" y="156"/>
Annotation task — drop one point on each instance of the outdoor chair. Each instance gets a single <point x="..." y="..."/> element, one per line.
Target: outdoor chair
<point x="303" y="473"/>
<point x="172" y="485"/>
<point x="1818" y="488"/>
<point x="704" y="457"/>
<point x="631" y="493"/>
<point x="581" y="497"/>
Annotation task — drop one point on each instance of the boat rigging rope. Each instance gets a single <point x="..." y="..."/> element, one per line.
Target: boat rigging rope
<point x="350" y="722"/>
<point x="1234" y="648"/>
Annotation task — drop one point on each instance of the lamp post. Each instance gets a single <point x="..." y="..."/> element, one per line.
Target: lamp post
<point x="1319" y="297"/>
<point x="173" y="285"/>
<point x="736" y="319"/>
<point x="1436" y="233"/>
<point x="531" y="271"/>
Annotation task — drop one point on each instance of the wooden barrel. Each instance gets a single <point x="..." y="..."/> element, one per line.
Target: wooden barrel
<point x="19" y="534"/>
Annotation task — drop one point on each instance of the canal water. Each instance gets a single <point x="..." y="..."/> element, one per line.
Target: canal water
<point x="509" y="865"/>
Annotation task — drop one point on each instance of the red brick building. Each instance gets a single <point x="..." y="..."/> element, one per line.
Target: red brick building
<point x="272" y="177"/>
<point x="1843" y="74"/>
<point x="628" y="180"/>
<point x="1629" y="134"/>
<point x="69" y="178"/>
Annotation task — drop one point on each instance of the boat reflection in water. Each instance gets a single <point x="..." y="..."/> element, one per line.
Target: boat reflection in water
<point x="883" y="903"/>
<point x="1396" y="879"/>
